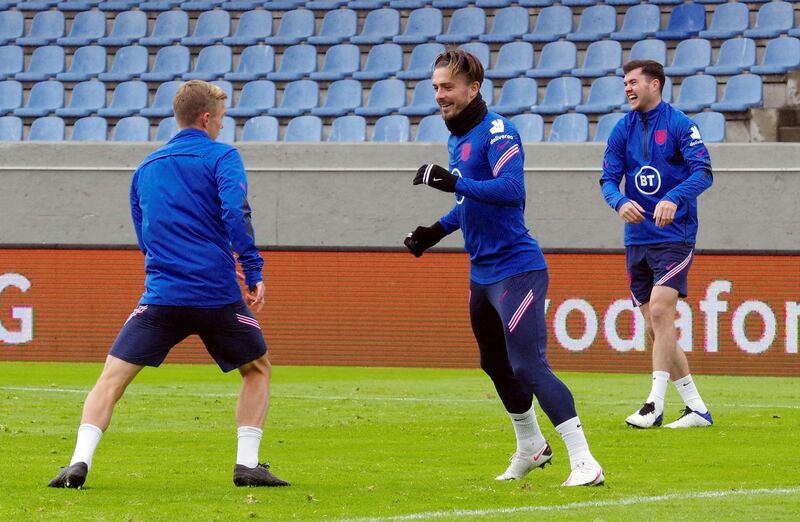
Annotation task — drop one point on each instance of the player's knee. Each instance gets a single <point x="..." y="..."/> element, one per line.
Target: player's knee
<point x="661" y="314"/>
<point x="257" y="369"/>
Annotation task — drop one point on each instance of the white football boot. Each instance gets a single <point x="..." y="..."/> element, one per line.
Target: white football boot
<point x="646" y="417"/>
<point x="692" y="419"/>
<point x="586" y="474"/>
<point x="521" y="465"/>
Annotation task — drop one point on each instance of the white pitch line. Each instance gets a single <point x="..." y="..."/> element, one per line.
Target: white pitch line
<point x="628" y="501"/>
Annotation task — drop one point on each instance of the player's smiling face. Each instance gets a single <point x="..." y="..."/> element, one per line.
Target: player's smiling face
<point x="453" y="92"/>
<point x="643" y="92"/>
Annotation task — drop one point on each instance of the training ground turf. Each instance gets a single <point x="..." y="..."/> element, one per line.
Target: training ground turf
<point x="390" y="444"/>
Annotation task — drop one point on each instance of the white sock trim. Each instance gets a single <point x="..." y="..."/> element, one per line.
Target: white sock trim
<point x="688" y="392"/>
<point x="571" y="432"/>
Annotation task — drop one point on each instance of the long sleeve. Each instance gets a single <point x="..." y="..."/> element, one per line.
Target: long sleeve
<point x="614" y="168"/>
<point x="136" y="212"/>
<point x="507" y="187"/>
<point x="450" y="221"/>
<point x="695" y="154"/>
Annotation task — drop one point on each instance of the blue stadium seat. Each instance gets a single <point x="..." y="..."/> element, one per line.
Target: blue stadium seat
<point x="423" y="25"/>
<point x="87" y="28"/>
<point x="487" y="91"/>
<point x="774" y="19"/>
<point x="128" y="99"/>
<point x="36" y="5"/>
<point x="10" y="128"/>
<point x="578" y="3"/>
<point x="167" y="128"/>
<point x="596" y="22"/>
<point x="380" y="26"/>
<point x="10" y="96"/>
<point x="451" y="4"/>
<point x="129" y="62"/>
<point x="691" y="56"/>
<point x="252" y="28"/>
<point x="605" y="125"/>
<point x="466" y="25"/>
<point x="480" y="50"/>
<point x="48" y="128"/>
<point x="46" y="28"/>
<point x="641" y="21"/>
<point x="711" y="126"/>
<point x="735" y="56"/>
<point x="742" y="92"/>
<point x="117" y="5"/>
<point x="91" y="128"/>
<point x="367" y="5"/>
<point x="571" y="127"/>
<point x="432" y="129"/>
<point x="46" y="62"/>
<point x="729" y="20"/>
<point x="710" y="1"/>
<point x="12" y="26"/>
<point x="304" y="128"/>
<point x="516" y="96"/>
<point x="781" y="55"/>
<point x="255" y="63"/>
<point x="296" y="26"/>
<point x="128" y="28"/>
<point x="241" y="5"/>
<point x="338" y="25"/>
<point x="494" y="4"/>
<point x="325" y="5"/>
<point x="213" y="62"/>
<point x="536" y="3"/>
<point x="601" y="58"/>
<point x="211" y="28"/>
<point x="650" y="49"/>
<point x="685" y="21"/>
<point x="132" y="128"/>
<point x="513" y="59"/>
<point x="697" y="93"/>
<point x="419" y="65"/>
<point x="392" y="129"/>
<point x="227" y="134"/>
<point x="87" y="98"/>
<point x="12" y="60"/>
<point x="561" y="95"/>
<point x="159" y="5"/>
<point x="510" y="23"/>
<point x="162" y="101"/>
<point x="408" y="4"/>
<point x="87" y="62"/>
<point x="666" y="2"/>
<point x="260" y="128"/>
<point x="171" y="62"/>
<point x="348" y="129"/>
<point x="340" y="61"/>
<point x="283" y="5"/>
<point x="201" y="5"/>
<point x="299" y="96"/>
<point x="553" y="22"/>
<point x="298" y="61"/>
<point x="556" y="59"/>
<point x="383" y="61"/>
<point x="622" y="2"/>
<point x="423" y="100"/>
<point x="529" y="126"/>
<point x="385" y="97"/>
<point x="343" y="97"/>
<point x="169" y="28"/>
<point x="606" y="94"/>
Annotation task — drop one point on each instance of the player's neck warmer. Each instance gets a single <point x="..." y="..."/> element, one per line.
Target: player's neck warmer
<point x="472" y="115"/>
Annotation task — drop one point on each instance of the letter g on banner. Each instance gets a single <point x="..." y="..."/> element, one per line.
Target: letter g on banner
<point x="24" y="314"/>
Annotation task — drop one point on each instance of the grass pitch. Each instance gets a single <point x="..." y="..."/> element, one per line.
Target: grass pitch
<point x="390" y="444"/>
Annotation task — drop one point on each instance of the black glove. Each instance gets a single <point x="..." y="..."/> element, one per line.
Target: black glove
<point x="422" y="238"/>
<point x="436" y="177"/>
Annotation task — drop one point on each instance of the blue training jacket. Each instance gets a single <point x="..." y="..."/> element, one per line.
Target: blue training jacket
<point x="661" y="155"/>
<point x="190" y="210"/>
<point x="490" y="201"/>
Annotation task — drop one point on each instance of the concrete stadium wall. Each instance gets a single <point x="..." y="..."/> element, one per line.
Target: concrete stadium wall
<point x="360" y="195"/>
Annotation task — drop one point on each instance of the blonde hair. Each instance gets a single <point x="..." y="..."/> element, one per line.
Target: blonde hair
<point x="193" y="99"/>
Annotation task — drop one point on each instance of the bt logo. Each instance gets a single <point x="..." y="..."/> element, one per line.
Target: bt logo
<point x="648" y="180"/>
<point x="24" y="314"/>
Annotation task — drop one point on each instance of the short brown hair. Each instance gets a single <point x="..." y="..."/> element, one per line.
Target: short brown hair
<point x="193" y="99"/>
<point x="650" y="68"/>
<point x="460" y="61"/>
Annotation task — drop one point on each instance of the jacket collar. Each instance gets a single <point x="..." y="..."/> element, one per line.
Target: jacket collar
<point x="652" y="113"/>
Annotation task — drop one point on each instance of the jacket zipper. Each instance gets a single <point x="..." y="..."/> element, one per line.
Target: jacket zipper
<point x="644" y="121"/>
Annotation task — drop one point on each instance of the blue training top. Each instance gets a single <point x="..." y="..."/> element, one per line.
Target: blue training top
<point x="190" y="210"/>
<point x="490" y="201"/>
<point x="661" y="156"/>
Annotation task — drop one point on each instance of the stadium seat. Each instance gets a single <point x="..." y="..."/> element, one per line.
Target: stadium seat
<point x="561" y="95"/>
<point x="201" y="5"/>
<point x="622" y="2"/>
<point x="691" y="56"/>
<point x="513" y="59"/>
<point x="10" y="128"/>
<point x="46" y="62"/>
<point x="45" y="97"/>
<point x="578" y="3"/>
<point x="380" y="26"/>
<point x="169" y="28"/>
<point x="87" y="28"/>
<point x="12" y="26"/>
<point x="729" y="20"/>
<point x="419" y="65"/>
<point x="46" y="28"/>
<point x="338" y="25"/>
<point x="556" y="59"/>
<point x="432" y="129"/>
<point x="650" y="49"/>
<point x="159" y="5"/>
<point x="12" y="60"/>
<point x="605" y="125"/>
<point x="129" y="62"/>
<point x="296" y="26"/>
<point x="571" y="127"/>
<point x="10" y="96"/>
<point x="450" y="4"/>
<point x="367" y="5"/>
<point x="87" y="98"/>
<point x="510" y="23"/>
<point x="325" y="5"/>
<point x="536" y="3"/>
<point x="596" y="22"/>
<point x="128" y="28"/>
<point x="385" y="97"/>
<point x="685" y="21"/>
<point x="494" y="4"/>
<point x="343" y="97"/>
<point x="601" y="58"/>
<point x="91" y="128"/>
<point x="211" y="28"/>
<point x="132" y="128"/>
<point x="735" y="56"/>
<point x="606" y="94"/>
<point x="529" y="126"/>
<point x="516" y="96"/>
<point x="742" y="92"/>
<point x="711" y="126"/>
<point x="36" y="5"/>
<point x="487" y="91"/>
<point x="408" y="4"/>
<point x="283" y="5"/>
<point x="260" y="128"/>
<point x="774" y="19"/>
<point x="171" y="62"/>
<point x="392" y="129"/>
<point x="340" y="61"/>
<point x="162" y="101"/>
<point x="87" y="62"/>
<point x="781" y="55"/>
<point x="466" y="25"/>
<point x="423" y="25"/>
<point x="348" y="129"/>
<point x="298" y="61"/>
<point x="697" y="93"/>
<point x="552" y="23"/>
<point x="167" y="128"/>
<point x="480" y="50"/>
<point x="640" y="21"/>
<point x="255" y="63"/>
<point x="304" y="128"/>
<point x="383" y="61"/>
<point x="666" y="2"/>
<point x="227" y="134"/>
<point x="128" y="99"/>
<point x="423" y="100"/>
<point x="252" y="28"/>
<point x="76" y="5"/>
<point x="299" y="96"/>
<point x="48" y="128"/>
<point x="241" y="5"/>
<point x="117" y="5"/>
<point x="213" y="62"/>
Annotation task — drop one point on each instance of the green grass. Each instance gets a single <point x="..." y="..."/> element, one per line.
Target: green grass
<point x="375" y="442"/>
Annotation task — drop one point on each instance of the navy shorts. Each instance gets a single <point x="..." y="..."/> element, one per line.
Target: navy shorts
<point x="661" y="264"/>
<point x="230" y="333"/>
